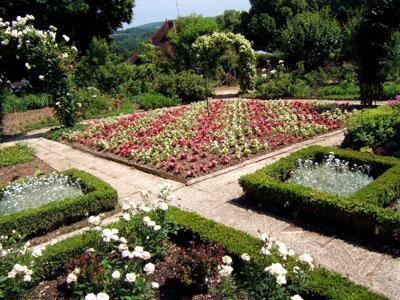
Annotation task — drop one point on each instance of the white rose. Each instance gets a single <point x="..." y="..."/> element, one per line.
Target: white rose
<point x="130" y="277"/>
<point x="146" y="255"/>
<point x="227" y="260"/>
<point x="41" y="77"/>
<point x="123" y="240"/>
<point x="155" y="285"/>
<point x="296" y="297"/>
<point x="157" y="227"/>
<point x="71" y="278"/>
<point x="149" y="268"/>
<point x="245" y="257"/>
<point x="116" y="275"/>
<point x="151" y="224"/>
<point x="126" y="217"/>
<point x="102" y="296"/>
<point x="146" y="219"/>
<point x="90" y="296"/>
<point x="37" y="252"/>
<point x="27" y="278"/>
<point x="226" y="271"/>
<point x="66" y="38"/>
<point x="12" y="274"/>
<point x="163" y="206"/>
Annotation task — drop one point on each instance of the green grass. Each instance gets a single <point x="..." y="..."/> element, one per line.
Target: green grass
<point x="41" y="124"/>
<point x="14" y="155"/>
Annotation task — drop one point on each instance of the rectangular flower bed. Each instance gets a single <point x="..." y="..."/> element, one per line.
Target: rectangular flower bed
<point x="97" y="197"/>
<point x="145" y="256"/>
<point x="190" y="141"/>
<point x="362" y="213"/>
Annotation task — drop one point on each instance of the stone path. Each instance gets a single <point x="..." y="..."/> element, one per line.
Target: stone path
<point x="218" y="198"/>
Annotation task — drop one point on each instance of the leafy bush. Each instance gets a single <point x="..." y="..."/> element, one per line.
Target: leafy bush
<point x="312" y="38"/>
<point x="378" y="129"/>
<point x="14" y="155"/>
<point x="152" y="101"/>
<point x="185" y="85"/>
<point x="364" y="213"/>
<point x="13" y="103"/>
<point x="92" y="102"/>
<point x="98" y="197"/>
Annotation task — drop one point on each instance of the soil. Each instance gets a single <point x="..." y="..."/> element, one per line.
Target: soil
<point x="10" y="174"/>
<point x="170" y="286"/>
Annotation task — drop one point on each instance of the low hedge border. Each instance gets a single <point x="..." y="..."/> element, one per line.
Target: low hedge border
<point x="363" y="214"/>
<point x="99" y="197"/>
<point x="321" y="283"/>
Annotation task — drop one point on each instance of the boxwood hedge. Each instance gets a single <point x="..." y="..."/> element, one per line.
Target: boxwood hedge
<point x="364" y="213"/>
<point x="320" y="283"/>
<point x="98" y="197"/>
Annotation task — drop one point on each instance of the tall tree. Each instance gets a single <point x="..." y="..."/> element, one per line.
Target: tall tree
<point x="81" y="20"/>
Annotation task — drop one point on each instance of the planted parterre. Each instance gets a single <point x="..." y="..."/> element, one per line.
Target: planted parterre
<point x="191" y="140"/>
<point x="351" y="191"/>
<point x="40" y="204"/>
<point x="161" y="252"/>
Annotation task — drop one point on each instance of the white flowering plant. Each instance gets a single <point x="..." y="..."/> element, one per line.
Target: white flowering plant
<point x="17" y="266"/>
<point x="40" y="54"/>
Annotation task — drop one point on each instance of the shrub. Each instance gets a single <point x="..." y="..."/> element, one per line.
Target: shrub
<point x="98" y="197"/>
<point x="363" y="213"/>
<point x="152" y="101"/>
<point x="185" y="85"/>
<point x="378" y="129"/>
<point x="92" y="102"/>
<point x="13" y="103"/>
<point x="14" y="155"/>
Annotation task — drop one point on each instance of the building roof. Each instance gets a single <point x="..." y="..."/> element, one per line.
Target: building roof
<point x="159" y="39"/>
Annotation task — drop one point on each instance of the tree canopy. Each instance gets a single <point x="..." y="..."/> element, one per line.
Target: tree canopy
<point x="79" y="19"/>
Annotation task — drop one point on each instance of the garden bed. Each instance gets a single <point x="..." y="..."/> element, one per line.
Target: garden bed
<point x="96" y="197"/>
<point x="189" y="141"/>
<point x="185" y="250"/>
<point x="363" y="212"/>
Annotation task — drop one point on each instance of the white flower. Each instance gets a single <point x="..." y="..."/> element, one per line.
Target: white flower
<point x="94" y="220"/>
<point x="163" y="206"/>
<point x="151" y="224"/>
<point x="71" y="278"/>
<point x="102" y="296"/>
<point x="146" y="255"/>
<point x="227" y="260"/>
<point x="296" y="297"/>
<point x="37" y="252"/>
<point x="291" y="252"/>
<point x="28" y="66"/>
<point x="146" y="219"/>
<point x="245" y="257"/>
<point x="123" y="240"/>
<point x="19" y="268"/>
<point x="265" y="251"/>
<point x="157" y="227"/>
<point x="273" y="72"/>
<point x="122" y="247"/>
<point x="116" y="275"/>
<point x="264" y="237"/>
<point x="130" y="277"/>
<point x="126" y="216"/>
<point x="226" y="270"/>
<point x="27" y="278"/>
<point x="149" y="268"/>
<point x="90" y="296"/>
<point x="64" y="55"/>
<point x="278" y="271"/>
<point x="125" y="254"/>
<point x="90" y="250"/>
<point x="41" y="77"/>
<point x="281" y="279"/>
<point x="5" y="42"/>
<point x="12" y="274"/>
<point x="155" y="285"/>
<point x="307" y="259"/>
<point x="280" y="61"/>
<point x="283" y="250"/>
<point x="74" y="48"/>
<point x="139" y="249"/>
<point x="66" y="38"/>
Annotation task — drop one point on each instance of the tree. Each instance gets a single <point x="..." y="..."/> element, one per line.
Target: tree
<point x="188" y="29"/>
<point x="79" y="19"/>
<point x="312" y="38"/>
<point x="44" y="59"/>
<point x="231" y="21"/>
<point x="380" y="20"/>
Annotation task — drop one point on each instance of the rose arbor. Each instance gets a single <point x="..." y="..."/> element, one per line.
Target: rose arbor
<point x="43" y="58"/>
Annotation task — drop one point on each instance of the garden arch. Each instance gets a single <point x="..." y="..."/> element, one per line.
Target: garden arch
<point x="209" y="48"/>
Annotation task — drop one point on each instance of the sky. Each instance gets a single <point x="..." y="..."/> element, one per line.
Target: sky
<point x="147" y="11"/>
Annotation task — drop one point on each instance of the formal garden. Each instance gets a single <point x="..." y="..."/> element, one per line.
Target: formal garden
<point x="124" y="180"/>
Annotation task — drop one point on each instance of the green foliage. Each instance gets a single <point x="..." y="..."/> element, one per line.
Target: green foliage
<point x="378" y="129"/>
<point x="98" y="197"/>
<point x="230" y="21"/>
<point x="313" y="39"/>
<point x="15" y="103"/>
<point x="363" y="213"/>
<point x="14" y="155"/>
<point x="70" y="16"/>
<point x="185" y="85"/>
<point x="188" y="30"/>
<point x="152" y="101"/>
<point x="92" y="102"/>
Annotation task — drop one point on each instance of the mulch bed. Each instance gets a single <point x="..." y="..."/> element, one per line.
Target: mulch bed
<point x="10" y="174"/>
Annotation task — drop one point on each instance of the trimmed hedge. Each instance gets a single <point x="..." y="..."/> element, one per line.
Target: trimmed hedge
<point x="363" y="214"/>
<point x="321" y="283"/>
<point x="98" y="197"/>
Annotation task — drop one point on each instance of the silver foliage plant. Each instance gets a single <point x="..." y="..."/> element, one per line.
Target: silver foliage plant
<point x="37" y="191"/>
<point x="332" y="175"/>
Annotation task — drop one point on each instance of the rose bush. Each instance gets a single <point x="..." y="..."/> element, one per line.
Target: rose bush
<point x="187" y="142"/>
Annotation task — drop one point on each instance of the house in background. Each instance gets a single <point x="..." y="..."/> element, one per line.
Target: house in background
<point x="160" y="40"/>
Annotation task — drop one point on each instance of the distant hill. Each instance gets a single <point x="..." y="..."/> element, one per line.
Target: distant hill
<point x="127" y="41"/>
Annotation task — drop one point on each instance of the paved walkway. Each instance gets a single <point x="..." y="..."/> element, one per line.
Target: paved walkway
<point x="218" y="198"/>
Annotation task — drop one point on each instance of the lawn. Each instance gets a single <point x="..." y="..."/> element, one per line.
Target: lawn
<point x="190" y="141"/>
